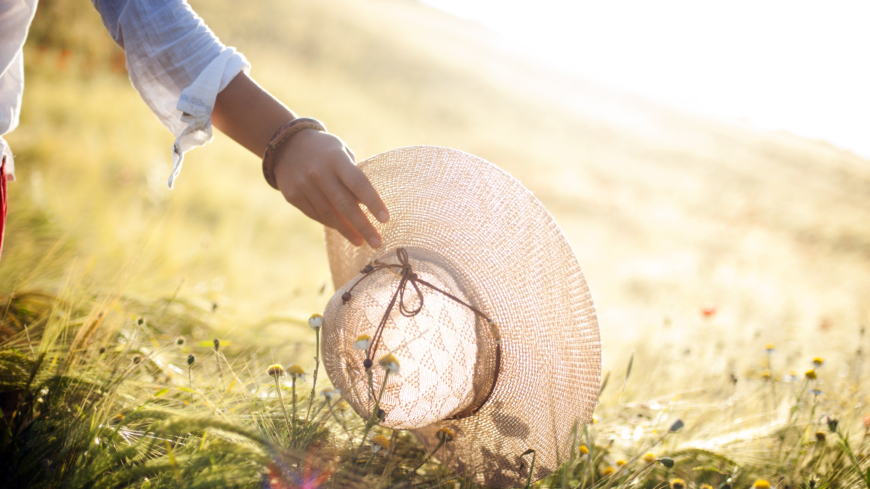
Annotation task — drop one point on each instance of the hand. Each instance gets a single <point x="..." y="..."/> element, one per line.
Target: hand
<point x="316" y="173"/>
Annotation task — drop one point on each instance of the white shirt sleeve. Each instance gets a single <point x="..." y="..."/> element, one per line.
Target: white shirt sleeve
<point x="15" y="18"/>
<point x="176" y="64"/>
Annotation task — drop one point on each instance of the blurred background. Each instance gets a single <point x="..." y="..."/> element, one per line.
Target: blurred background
<point x="709" y="167"/>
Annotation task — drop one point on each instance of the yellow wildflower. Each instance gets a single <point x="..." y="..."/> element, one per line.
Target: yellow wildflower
<point x="315" y="321"/>
<point x="818" y="361"/>
<point x="275" y="371"/>
<point x="811" y="375"/>
<point x="678" y="484"/>
<point x="649" y="458"/>
<point x="607" y="471"/>
<point x="761" y="484"/>
<point x="296" y="372"/>
<point x="583" y="450"/>
<point x="445" y="434"/>
<point x="620" y="463"/>
<point x="362" y="342"/>
<point x="389" y="363"/>
<point x="380" y="443"/>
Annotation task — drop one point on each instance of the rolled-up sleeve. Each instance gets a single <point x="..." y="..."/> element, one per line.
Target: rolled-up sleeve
<point x="176" y="64"/>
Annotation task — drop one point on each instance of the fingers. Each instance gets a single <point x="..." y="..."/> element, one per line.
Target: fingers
<point x="356" y="181"/>
<point x="347" y="206"/>
<point x="330" y="216"/>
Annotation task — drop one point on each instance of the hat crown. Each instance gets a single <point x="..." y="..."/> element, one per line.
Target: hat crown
<point x="439" y="349"/>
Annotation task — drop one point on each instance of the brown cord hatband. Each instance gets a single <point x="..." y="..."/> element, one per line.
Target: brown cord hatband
<point x="408" y="276"/>
<point x="282" y="135"/>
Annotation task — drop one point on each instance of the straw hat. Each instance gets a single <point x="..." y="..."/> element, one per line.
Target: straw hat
<point x="491" y="326"/>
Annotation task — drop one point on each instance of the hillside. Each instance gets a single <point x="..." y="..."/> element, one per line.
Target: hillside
<point x="668" y="212"/>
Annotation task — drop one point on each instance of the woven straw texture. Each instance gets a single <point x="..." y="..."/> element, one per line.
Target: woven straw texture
<point x="474" y="231"/>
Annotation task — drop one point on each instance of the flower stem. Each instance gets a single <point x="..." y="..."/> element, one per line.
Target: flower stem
<point x="316" y="366"/>
<point x="423" y="462"/>
<point x="373" y="420"/>
<point x="293" y="434"/>
<point x="281" y="400"/>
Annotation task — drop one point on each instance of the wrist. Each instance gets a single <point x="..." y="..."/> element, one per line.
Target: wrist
<point x="282" y="135"/>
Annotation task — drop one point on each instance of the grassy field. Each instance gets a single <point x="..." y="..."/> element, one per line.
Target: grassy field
<point x="703" y="241"/>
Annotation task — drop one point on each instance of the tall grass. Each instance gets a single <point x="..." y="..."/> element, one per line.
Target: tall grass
<point x="702" y="242"/>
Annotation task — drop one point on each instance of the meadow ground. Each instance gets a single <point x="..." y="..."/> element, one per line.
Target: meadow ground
<point x="703" y="242"/>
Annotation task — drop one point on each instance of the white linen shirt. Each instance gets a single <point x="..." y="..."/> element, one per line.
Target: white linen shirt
<point x="175" y="62"/>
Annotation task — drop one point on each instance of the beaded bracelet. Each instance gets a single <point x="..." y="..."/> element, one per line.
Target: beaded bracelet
<point x="279" y="138"/>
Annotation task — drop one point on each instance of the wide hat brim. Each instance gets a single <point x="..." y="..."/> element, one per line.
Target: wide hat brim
<point x="523" y="274"/>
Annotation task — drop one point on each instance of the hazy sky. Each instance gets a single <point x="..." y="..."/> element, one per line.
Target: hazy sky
<point x="794" y="65"/>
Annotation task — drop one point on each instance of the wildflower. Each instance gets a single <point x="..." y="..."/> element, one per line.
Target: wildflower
<point x="329" y="392"/>
<point x="585" y="451"/>
<point x="620" y="463"/>
<point x="820" y="436"/>
<point x="706" y="486"/>
<point x="363" y="342"/>
<point x="296" y="372"/>
<point x="136" y="359"/>
<point x="389" y="363"/>
<point x="607" y="471"/>
<point x="379" y="443"/>
<point x="811" y="375"/>
<point x="445" y="434"/>
<point x="275" y="371"/>
<point x="191" y="358"/>
<point x="179" y="341"/>
<point x="678" y="484"/>
<point x="817" y="392"/>
<point x="765" y="374"/>
<point x="818" y="362"/>
<point x="117" y="418"/>
<point x="761" y="484"/>
<point x="769" y="347"/>
<point x="649" y="458"/>
<point x="315" y="321"/>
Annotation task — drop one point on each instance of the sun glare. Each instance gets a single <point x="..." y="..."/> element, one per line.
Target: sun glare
<point x="797" y="66"/>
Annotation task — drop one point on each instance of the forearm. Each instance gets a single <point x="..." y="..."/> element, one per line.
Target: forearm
<point x="248" y="114"/>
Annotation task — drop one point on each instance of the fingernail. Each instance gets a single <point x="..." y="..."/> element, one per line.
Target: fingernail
<point x="383" y="217"/>
<point x="357" y="241"/>
<point x="374" y="242"/>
